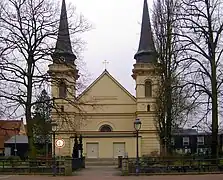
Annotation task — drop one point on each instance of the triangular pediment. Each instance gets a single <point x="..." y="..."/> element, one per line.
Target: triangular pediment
<point x="106" y="89"/>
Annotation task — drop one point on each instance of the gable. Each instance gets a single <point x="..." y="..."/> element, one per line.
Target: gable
<point x="106" y="90"/>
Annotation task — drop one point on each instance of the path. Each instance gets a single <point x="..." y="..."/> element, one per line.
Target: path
<point x="99" y="171"/>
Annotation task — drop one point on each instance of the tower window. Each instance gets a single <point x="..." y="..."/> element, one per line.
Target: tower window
<point x="62" y="90"/>
<point x="148" y="107"/>
<point x="148" y="89"/>
<point x="106" y="128"/>
<point x="62" y="108"/>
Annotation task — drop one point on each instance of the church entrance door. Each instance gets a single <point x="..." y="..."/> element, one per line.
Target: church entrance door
<point x="118" y="149"/>
<point x="92" y="150"/>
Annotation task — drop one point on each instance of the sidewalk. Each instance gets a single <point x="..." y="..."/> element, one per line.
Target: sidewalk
<point x="100" y="171"/>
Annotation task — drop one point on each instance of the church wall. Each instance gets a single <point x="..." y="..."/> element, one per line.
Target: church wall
<point x="109" y="108"/>
<point x="106" y="149"/>
<point x="118" y="123"/>
<point x="140" y="81"/>
<point x="62" y="72"/>
<point x="148" y="121"/>
<point x="65" y="151"/>
<point x="107" y="91"/>
<point x="150" y="140"/>
<point x="149" y="143"/>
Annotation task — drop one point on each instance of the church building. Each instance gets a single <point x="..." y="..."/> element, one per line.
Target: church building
<point x="104" y="113"/>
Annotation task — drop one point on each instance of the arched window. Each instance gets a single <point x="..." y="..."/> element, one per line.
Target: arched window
<point x="148" y="89"/>
<point x="106" y="128"/>
<point x="62" y="90"/>
<point x="62" y="108"/>
<point x="148" y="107"/>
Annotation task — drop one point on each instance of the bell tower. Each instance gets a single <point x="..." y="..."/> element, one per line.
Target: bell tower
<point x="63" y="70"/>
<point x="146" y="75"/>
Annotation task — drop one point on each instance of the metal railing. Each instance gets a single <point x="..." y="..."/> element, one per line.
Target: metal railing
<point x="40" y="166"/>
<point x="31" y="166"/>
<point x="159" y="165"/>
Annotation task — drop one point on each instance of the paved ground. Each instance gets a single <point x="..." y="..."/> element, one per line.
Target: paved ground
<point x="101" y="173"/>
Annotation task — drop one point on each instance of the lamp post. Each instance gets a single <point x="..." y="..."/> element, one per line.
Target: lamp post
<point x="54" y="128"/>
<point x="15" y="148"/>
<point x="137" y="126"/>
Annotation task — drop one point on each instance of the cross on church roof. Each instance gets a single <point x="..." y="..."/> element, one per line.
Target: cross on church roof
<point x="105" y="62"/>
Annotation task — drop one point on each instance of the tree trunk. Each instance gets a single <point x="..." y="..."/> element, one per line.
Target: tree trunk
<point x="169" y="53"/>
<point x="32" y="149"/>
<point x="214" y="145"/>
<point x="169" y="121"/>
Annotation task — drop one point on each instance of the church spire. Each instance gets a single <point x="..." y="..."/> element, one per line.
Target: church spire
<point x="63" y="48"/>
<point x="146" y="52"/>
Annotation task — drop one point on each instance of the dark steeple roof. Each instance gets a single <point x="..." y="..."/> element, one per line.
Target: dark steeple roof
<point x="146" y="52"/>
<point x="63" y="44"/>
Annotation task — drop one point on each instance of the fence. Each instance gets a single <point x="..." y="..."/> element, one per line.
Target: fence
<point x="158" y="165"/>
<point x="31" y="166"/>
<point x="43" y="166"/>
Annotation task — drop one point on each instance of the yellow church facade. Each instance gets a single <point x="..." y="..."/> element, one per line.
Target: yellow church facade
<point x="105" y="112"/>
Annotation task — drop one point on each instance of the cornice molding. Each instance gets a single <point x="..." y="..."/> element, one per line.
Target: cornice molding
<point x="95" y="114"/>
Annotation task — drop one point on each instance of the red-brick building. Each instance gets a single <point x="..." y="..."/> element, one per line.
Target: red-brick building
<point x="9" y="128"/>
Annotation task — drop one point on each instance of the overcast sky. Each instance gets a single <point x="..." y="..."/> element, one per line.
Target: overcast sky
<point x="115" y="36"/>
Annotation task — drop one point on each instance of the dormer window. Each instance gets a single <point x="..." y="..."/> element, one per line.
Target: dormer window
<point x="148" y="88"/>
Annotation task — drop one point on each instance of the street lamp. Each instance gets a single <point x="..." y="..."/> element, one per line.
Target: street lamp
<point x="54" y="128"/>
<point x="137" y="126"/>
<point x="15" y="146"/>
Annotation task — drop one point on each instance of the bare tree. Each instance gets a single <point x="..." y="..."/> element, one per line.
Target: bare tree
<point x="201" y="34"/>
<point x="29" y="29"/>
<point x="173" y="104"/>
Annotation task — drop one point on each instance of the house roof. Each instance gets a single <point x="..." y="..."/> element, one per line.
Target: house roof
<point x="8" y="128"/>
<point x="19" y="139"/>
<point x="191" y="132"/>
<point x="105" y="72"/>
<point x="185" y="132"/>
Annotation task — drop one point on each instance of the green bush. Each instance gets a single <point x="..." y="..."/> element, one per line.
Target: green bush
<point x="3" y="158"/>
<point x="147" y="161"/>
<point x="13" y="160"/>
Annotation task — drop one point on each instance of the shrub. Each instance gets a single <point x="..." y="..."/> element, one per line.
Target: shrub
<point x="147" y="161"/>
<point x="13" y="160"/>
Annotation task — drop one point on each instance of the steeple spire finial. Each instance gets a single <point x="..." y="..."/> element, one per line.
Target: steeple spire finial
<point x="146" y="52"/>
<point x="63" y="48"/>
